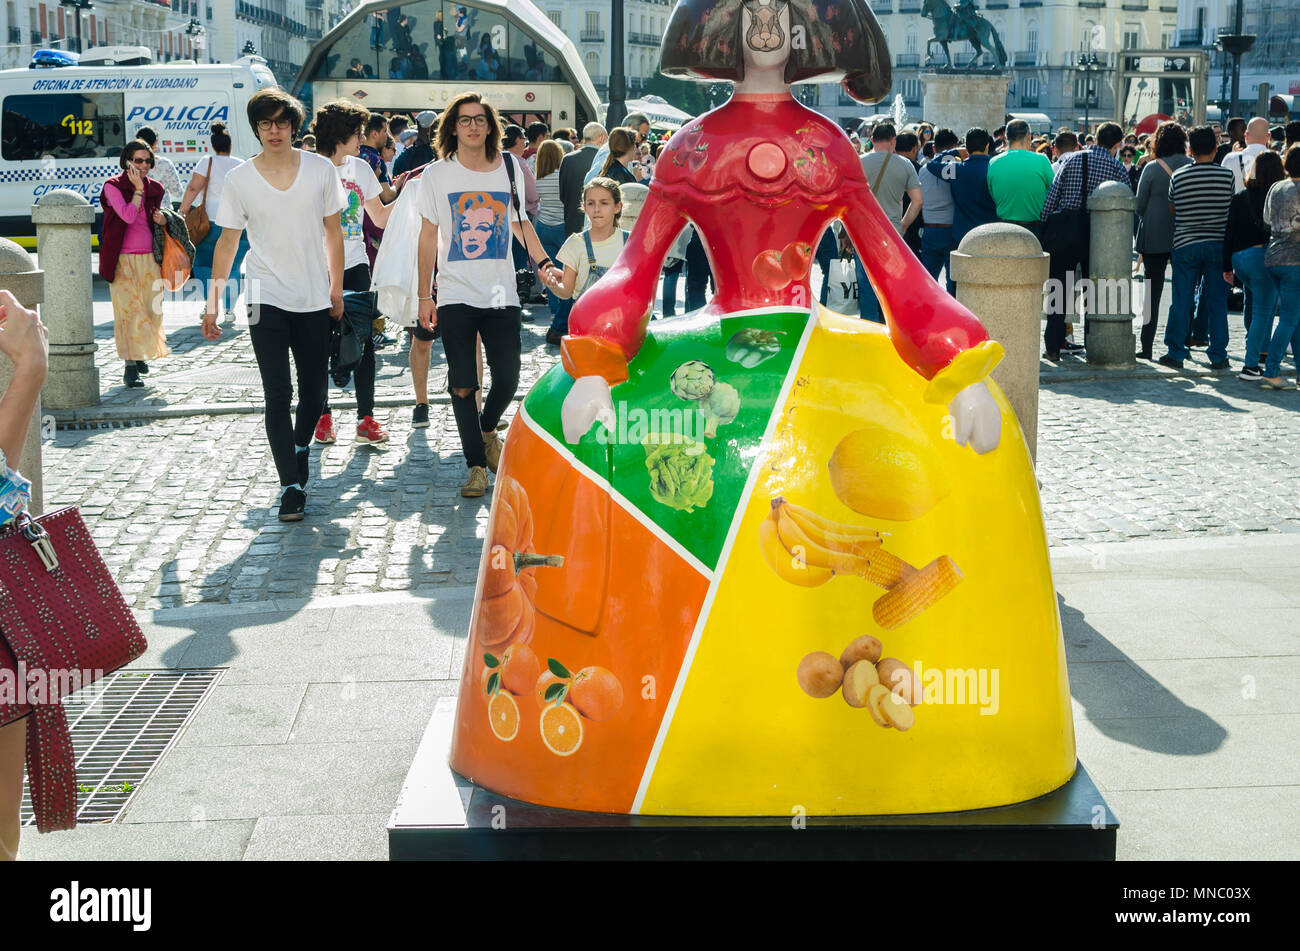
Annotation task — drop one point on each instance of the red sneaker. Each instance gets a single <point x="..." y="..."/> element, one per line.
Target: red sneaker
<point x="369" y="431"/>
<point x="325" y="430"/>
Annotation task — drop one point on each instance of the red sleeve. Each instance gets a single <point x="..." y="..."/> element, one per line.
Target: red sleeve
<point x="929" y="328"/>
<point x="614" y="309"/>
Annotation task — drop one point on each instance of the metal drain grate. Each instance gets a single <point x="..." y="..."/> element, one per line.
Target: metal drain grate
<point x="121" y="727"/>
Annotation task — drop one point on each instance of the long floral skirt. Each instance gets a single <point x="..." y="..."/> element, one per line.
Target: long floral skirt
<point x="137" y="308"/>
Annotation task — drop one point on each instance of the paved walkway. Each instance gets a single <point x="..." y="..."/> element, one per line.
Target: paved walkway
<point x="338" y="634"/>
<point x="1184" y="715"/>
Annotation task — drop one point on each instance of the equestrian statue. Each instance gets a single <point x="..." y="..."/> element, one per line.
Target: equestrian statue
<point x="964" y="23"/>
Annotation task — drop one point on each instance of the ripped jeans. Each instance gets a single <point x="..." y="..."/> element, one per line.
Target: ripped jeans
<point x="500" y="328"/>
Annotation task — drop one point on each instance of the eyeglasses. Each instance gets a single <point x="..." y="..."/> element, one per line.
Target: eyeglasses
<point x="264" y="125"/>
<point x="466" y="121"/>
<point x="142" y="161"/>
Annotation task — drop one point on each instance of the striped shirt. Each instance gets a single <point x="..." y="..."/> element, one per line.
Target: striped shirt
<point x="550" y="210"/>
<point x="1200" y="194"/>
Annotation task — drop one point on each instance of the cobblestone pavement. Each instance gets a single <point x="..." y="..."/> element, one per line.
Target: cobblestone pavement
<point x="184" y="511"/>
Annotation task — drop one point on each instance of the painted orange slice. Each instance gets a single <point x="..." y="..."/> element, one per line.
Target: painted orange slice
<point x="561" y="729"/>
<point x="503" y="714"/>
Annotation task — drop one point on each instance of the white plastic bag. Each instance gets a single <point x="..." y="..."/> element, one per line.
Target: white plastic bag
<point x="842" y="297"/>
<point x="395" y="277"/>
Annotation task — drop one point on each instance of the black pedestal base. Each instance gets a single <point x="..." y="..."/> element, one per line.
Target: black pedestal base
<point x="441" y="815"/>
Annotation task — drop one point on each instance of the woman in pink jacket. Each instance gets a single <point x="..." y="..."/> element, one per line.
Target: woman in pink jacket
<point x="130" y="201"/>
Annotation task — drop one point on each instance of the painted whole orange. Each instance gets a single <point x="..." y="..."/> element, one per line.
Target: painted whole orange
<point x="596" y="693"/>
<point x="519" y="669"/>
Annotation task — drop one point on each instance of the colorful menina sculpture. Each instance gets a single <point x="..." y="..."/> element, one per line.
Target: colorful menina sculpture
<point x="702" y="532"/>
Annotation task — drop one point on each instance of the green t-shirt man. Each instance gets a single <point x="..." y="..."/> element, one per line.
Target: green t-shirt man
<point x="1018" y="181"/>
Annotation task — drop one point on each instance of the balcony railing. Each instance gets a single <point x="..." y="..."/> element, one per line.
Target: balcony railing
<point x="997" y="5"/>
<point x="314" y="4"/>
<point x="1026" y="58"/>
<point x="909" y="6"/>
<point x="592" y="36"/>
<point x="1135" y="5"/>
<point x="643" y="39"/>
<point x="1192" y="38"/>
<point x="36" y="38"/>
<point x="1028" y="102"/>
<point x="15" y="35"/>
<point x="909" y="60"/>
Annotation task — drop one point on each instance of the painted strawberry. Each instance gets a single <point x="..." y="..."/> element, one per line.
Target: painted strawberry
<point x="695" y="161"/>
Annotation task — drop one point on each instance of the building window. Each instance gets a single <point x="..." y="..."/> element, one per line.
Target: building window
<point x="592" y="62"/>
<point x="1131" y="35"/>
<point x="593" y="21"/>
<point x="1032" y="41"/>
<point x="555" y="18"/>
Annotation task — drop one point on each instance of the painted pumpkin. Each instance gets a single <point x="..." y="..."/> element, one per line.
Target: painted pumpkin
<point x="508" y="613"/>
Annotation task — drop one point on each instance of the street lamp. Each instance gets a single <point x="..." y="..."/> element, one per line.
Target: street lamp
<point x="249" y="49"/>
<point x="1088" y="64"/>
<point x="78" y="7"/>
<point x="195" y="32"/>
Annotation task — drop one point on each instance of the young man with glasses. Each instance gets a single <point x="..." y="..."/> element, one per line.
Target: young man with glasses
<point x="289" y="202"/>
<point x="470" y="206"/>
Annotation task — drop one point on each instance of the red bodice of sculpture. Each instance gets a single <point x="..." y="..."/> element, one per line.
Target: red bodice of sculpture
<point x="762" y="177"/>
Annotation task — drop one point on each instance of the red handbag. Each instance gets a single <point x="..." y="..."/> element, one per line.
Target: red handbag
<point x="63" y="625"/>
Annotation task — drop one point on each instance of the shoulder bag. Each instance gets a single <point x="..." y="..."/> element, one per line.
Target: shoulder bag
<point x="1066" y="234"/>
<point x="63" y="625"/>
<point x="196" y="219"/>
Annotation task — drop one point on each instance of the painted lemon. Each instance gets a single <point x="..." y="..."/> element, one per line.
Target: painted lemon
<point x="884" y="474"/>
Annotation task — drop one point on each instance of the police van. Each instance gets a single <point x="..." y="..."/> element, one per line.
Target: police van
<point x="65" y="127"/>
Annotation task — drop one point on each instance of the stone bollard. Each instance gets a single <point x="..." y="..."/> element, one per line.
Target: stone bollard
<point x="999" y="270"/>
<point x="20" y="277"/>
<point x="1108" y="321"/>
<point x="63" y="221"/>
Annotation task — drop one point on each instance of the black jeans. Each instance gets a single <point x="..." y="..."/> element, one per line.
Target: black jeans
<point x="357" y="279"/>
<point x="1153" y="269"/>
<point x="698" y="274"/>
<point x="499" y="327"/>
<point x="275" y="334"/>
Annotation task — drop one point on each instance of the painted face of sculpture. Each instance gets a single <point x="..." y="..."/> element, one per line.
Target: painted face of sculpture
<point x="766" y="31"/>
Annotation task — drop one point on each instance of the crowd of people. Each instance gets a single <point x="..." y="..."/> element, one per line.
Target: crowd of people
<point x="1218" y="209"/>
<point x="306" y="218"/>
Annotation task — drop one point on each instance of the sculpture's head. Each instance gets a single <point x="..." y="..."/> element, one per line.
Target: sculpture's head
<point x="709" y="40"/>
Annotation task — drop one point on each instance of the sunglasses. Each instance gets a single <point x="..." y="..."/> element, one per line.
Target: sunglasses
<point x="142" y="161"/>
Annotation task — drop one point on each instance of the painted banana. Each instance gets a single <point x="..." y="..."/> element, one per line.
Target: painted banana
<point x="797" y="542"/>
<point x="856" y="551"/>
<point x="837" y="536"/>
<point x="788" y="566"/>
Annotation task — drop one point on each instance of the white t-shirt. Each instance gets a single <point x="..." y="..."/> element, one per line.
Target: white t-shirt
<point x="473" y="212"/>
<point x="573" y="253"/>
<point x="216" y="183"/>
<point x="1240" y="163"/>
<point x="359" y="185"/>
<point x="286" y="264"/>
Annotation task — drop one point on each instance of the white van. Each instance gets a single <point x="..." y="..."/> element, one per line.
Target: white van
<point x="65" y="127"/>
<point x="1039" y="123"/>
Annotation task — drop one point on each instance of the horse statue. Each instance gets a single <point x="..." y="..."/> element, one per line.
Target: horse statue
<point x="964" y="23"/>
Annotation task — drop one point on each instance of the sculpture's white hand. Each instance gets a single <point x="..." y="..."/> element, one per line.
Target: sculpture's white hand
<point x="587" y="402"/>
<point x="976" y="419"/>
